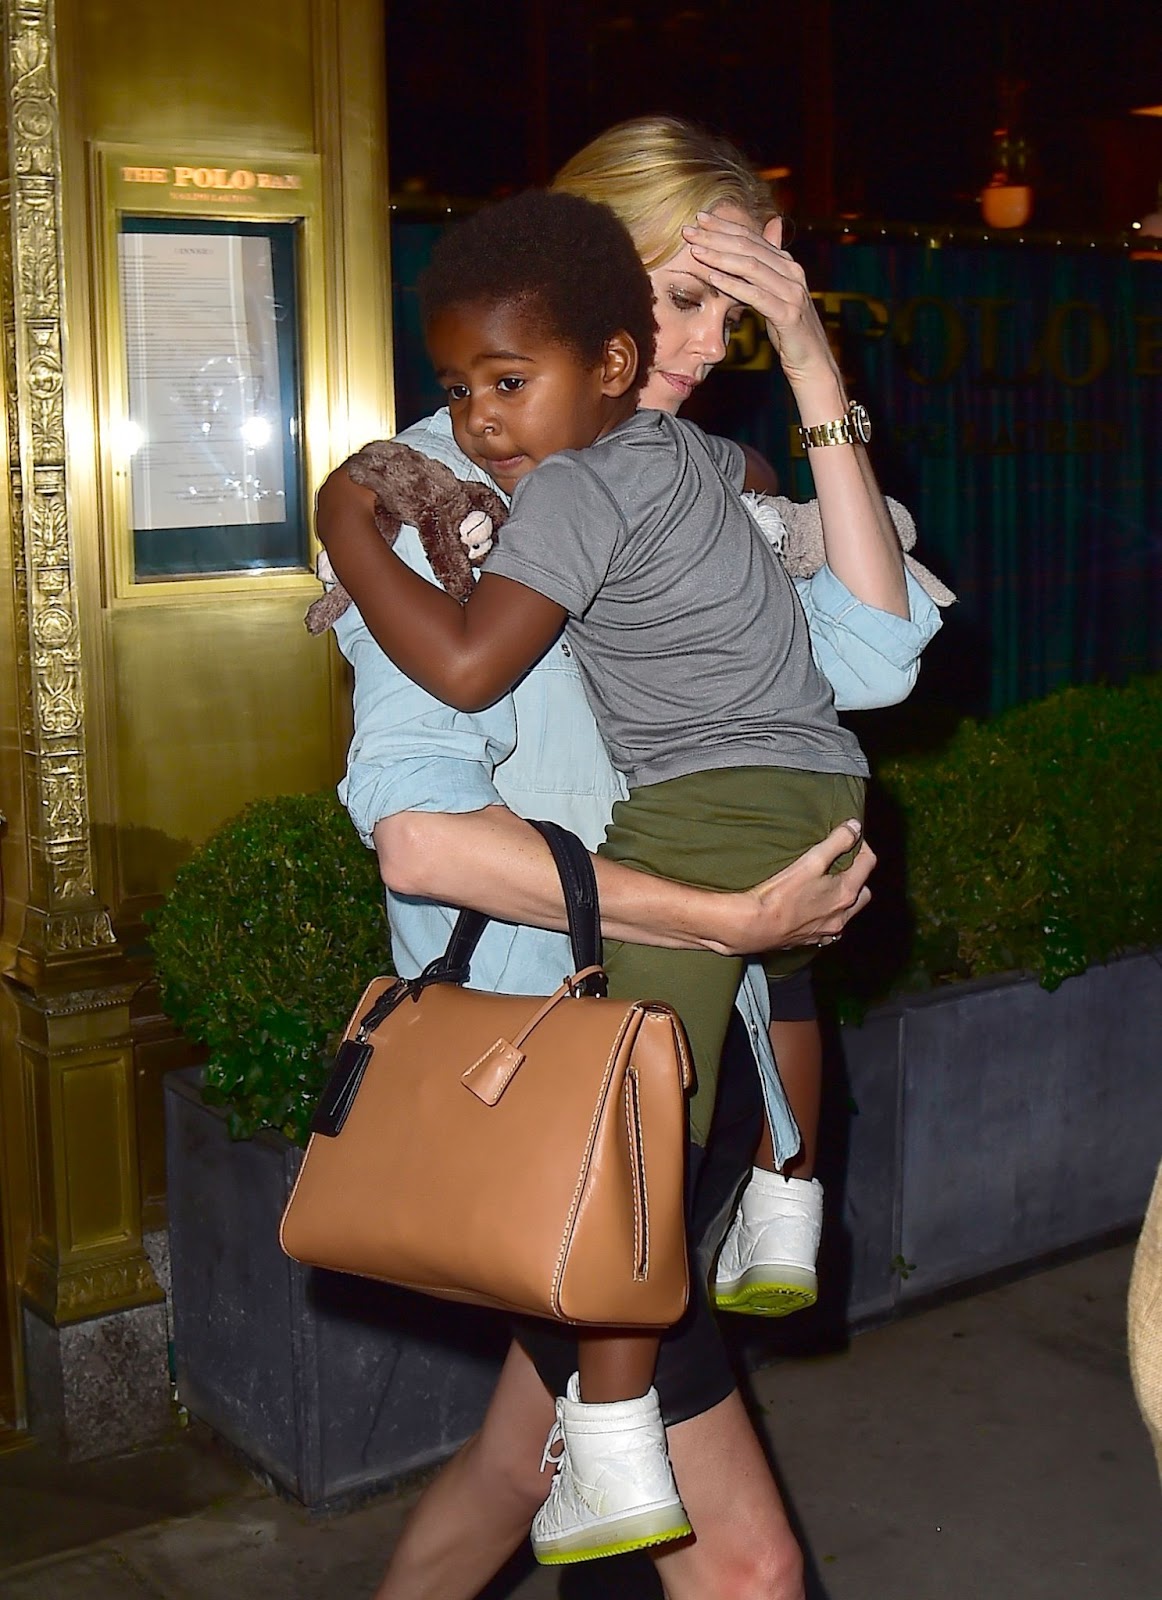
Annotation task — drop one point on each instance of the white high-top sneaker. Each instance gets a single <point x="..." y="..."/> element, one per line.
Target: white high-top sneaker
<point x="614" y="1489"/>
<point x="767" y="1262"/>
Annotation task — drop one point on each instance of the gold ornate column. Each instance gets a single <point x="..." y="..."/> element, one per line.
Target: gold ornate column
<point x="66" y="927"/>
<point x="80" y="1255"/>
<point x="140" y="706"/>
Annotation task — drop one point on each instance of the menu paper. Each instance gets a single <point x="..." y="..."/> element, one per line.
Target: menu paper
<point x="206" y="429"/>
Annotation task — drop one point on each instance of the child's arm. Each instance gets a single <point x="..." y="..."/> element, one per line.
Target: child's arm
<point x="466" y="655"/>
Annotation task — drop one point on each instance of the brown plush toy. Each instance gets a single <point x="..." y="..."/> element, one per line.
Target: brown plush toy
<point x="455" y="520"/>
<point x="795" y="532"/>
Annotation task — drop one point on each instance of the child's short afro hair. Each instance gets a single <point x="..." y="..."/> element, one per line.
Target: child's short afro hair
<point x="567" y="262"/>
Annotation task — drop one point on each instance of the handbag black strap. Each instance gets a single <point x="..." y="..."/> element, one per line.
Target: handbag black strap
<point x="579" y="882"/>
<point x="579" y="886"/>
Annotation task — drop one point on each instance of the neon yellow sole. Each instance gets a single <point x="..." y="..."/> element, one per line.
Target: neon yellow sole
<point x="766" y="1299"/>
<point x="622" y="1547"/>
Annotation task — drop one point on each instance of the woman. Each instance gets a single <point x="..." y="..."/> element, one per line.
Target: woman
<point x="427" y="785"/>
<point x="703" y="276"/>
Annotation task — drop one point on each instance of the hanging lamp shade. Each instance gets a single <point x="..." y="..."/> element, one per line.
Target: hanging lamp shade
<point x="1007" y="199"/>
<point x="1006" y="205"/>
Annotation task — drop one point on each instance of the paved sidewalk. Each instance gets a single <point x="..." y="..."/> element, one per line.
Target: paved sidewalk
<point x="985" y="1450"/>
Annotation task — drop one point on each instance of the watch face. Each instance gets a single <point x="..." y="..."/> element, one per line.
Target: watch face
<point x="860" y="422"/>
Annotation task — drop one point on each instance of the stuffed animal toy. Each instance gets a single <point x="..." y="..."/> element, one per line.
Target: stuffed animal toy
<point x="455" y="520"/>
<point x="795" y="531"/>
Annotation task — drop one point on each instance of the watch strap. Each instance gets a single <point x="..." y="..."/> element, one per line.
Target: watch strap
<point x="854" y="427"/>
<point x="823" y="433"/>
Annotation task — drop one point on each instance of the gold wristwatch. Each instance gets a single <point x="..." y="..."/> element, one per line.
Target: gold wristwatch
<point x="852" y="428"/>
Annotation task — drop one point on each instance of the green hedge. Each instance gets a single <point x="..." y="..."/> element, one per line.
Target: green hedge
<point x="1027" y="842"/>
<point x="266" y="941"/>
<point x="1030" y="841"/>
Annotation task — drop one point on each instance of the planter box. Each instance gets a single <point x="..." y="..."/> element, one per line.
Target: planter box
<point x="332" y="1386"/>
<point x="996" y="1124"/>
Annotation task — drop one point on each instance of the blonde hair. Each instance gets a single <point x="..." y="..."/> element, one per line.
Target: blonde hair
<point x="655" y="173"/>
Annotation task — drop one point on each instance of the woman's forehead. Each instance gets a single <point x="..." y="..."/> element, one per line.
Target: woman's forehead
<point x="729" y="212"/>
<point x="682" y="268"/>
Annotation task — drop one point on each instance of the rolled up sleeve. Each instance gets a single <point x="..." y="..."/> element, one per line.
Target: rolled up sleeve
<point x="410" y="752"/>
<point x="870" y="657"/>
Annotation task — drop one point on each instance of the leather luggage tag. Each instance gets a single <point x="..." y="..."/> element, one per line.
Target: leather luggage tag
<point x="338" y="1097"/>
<point x="489" y="1077"/>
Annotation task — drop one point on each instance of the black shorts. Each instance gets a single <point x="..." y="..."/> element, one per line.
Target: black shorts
<point x="793" y="997"/>
<point x="693" y="1372"/>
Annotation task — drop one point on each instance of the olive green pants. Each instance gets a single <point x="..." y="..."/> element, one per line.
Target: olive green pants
<point x="725" y="829"/>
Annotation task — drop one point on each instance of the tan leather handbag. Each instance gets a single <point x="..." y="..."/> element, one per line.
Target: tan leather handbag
<point x="506" y="1150"/>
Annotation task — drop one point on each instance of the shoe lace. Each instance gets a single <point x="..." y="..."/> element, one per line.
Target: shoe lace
<point x="556" y="1437"/>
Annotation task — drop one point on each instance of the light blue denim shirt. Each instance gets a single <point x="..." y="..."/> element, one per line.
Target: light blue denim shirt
<point x="538" y="752"/>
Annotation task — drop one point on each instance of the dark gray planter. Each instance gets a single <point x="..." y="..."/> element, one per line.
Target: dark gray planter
<point x="996" y="1124"/>
<point x="332" y="1386"/>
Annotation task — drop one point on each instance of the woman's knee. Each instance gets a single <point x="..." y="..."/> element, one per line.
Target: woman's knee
<point x="773" y="1573"/>
<point x="744" y="1547"/>
<point x="741" y="1572"/>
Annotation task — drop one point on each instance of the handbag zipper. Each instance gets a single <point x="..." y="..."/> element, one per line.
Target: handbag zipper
<point x="637" y="1163"/>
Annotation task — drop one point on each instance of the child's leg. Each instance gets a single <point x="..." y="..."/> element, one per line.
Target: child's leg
<point x="798" y="1048"/>
<point x="615" y="1365"/>
<point x="701" y="986"/>
<point x="614" y="1488"/>
<point x="795" y="1036"/>
<point x="767" y="1263"/>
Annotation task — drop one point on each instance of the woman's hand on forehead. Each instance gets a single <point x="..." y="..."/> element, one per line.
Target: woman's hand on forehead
<point x="750" y="265"/>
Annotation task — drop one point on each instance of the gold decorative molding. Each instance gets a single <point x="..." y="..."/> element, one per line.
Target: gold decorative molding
<point x="64" y="915"/>
<point x="84" y="1002"/>
<point x="93" y="1289"/>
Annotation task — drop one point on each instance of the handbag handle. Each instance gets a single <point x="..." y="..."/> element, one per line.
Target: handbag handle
<point x="579" y="886"/>
<point x="579" y="882"/>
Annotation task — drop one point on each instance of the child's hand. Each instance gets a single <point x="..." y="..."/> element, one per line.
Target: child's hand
<point x="476" y="535"/>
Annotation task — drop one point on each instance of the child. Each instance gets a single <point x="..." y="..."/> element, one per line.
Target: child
<point x="694" y="652"/>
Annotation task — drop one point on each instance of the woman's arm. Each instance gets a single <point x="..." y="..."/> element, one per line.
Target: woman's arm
<point x="862" y="548"/>
<point x="871" y="658"/>
<point x="466" y="655"/>
<point x="494" y="862"/>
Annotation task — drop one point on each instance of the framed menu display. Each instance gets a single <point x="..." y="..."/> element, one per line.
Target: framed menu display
<point x="208" y="301"/>
<point x="209" y="311"/>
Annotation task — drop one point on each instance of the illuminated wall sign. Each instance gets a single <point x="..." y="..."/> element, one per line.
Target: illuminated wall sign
<point x="182" y="181"/>
<point x="212" y="178"/>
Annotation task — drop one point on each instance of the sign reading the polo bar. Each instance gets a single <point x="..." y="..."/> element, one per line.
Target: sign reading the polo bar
<point x="216" y="178"/>
<point x="179" y="181"/>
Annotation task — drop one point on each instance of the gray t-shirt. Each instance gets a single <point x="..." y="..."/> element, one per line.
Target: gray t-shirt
<point x="688" y="633"/>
